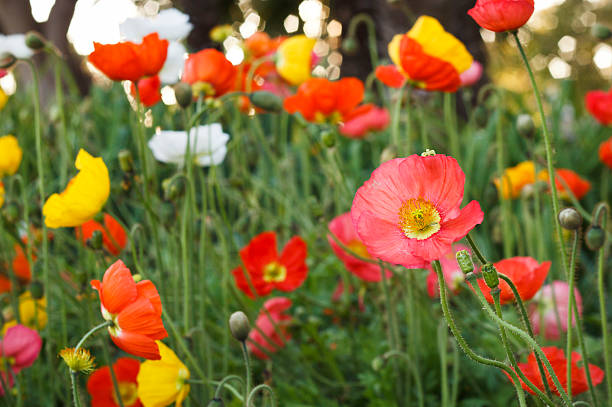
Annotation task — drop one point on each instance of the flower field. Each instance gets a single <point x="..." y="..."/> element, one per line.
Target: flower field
<point x="198" y="230"/>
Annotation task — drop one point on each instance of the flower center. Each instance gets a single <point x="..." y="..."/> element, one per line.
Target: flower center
<point x="419" y="219"/>
<point x="114" y="329"/>
<point x="358" y="248"/>
<point x="333" y="118"/>
<point x="274" y="272"/>
<point x="128" y="392"/>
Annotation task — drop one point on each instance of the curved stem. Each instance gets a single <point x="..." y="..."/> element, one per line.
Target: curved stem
<point x="372" y="47"/>
<point x="91" y="332"/>
<point x="389" y="354"/>
<point x="259" y="388"/>
<point x="601" y="257"/>
<point x="225" y="380"/>
<point x="476" y="250"/>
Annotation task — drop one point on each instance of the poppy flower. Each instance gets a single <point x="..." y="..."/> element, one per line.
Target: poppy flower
<point x="525" y="272"/>
<point x="599" y="104"/>
<point x="558" y="361"/>
<point x="579" y="186"/>
<point x="543" y="313"/>
<point x="134" y="309"/>
<point x="321" y="100"/>
<point x="164" y="381"/>
<point x="605" y="152"/>
<point x="501" y="15"/>
<point x="453" y="276"/>
<point x="210" y="72"/>
<point x="514" y="179"/>
<point x="148" y="90"/>
<point x="32" y="313"/>
<point x="5" y="284"/>
<point x="84" y="196"/>
<point x="113" y="234"/>
<point x="21" y="266"/>
<point x="267" y="270"/>
<point x="127" y="61"/>
<point x="408" y="211"/>
<point x="294" y="62"/>
<point x="100" y="384"/>
<point x="426" y="56"/>
<point x="272" y="323"/>
<point x="363" y="120"/>
<point x="19" y="348"/>
<point x="342" y="228"/>
<point x="10" y="155"/>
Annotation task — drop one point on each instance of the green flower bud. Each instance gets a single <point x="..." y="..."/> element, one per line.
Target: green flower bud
<point x="570" y="219"/>
<point x="266" y="100"/>
<point x="215" y="403"/>
<point x="350" y="46"/>
<point x="7" y="60"/>
<point x="239" y="326"/>
<point x="34" y="41"/>
<point x="183" y="94"/>
<point x="377" y="363"/>
<point x="601" y="32"/>
<point x="173" y="188"/>
<point x="126" y="161"/>
<point x="489" y="272"/>
<point x="595" y="237"/>
<point x="465" y="261"/>
<point x="37" y="290"/>
<point x="328" y="138"/>
<point x="11" y="213"/>
<point x="95" y="241"/>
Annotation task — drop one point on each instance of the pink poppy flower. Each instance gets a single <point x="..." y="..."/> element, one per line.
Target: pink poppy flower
<point x="542" y="310"/>
<point x="271" y="341"/>
<point x="342" y="227"/>
<point x="453" y="276"/>
<point x="20" y="347"/>
<point x="363" y="120"/>
<point x="408" y="212"/>
<point x="472" y="75"/>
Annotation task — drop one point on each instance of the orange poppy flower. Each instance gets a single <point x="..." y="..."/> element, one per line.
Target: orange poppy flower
<point x="578" y="185"/>
<point x="321" y="100"/>
<point x="211" y="72"/>
<point x="5" y="284"/>
<point x="21" y="266"/>
<point x="127" y="61"/>
<point x="148" y="90"/>
<point x="605" y="152"/>
<point x="134" y="309"/>
<point x="100" y="384"/>
<point x="114" y="243"/>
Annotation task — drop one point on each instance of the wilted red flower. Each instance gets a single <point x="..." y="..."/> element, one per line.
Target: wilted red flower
<point x="148" y="90"/>
<point x="605" y="152"/>
<point x="100" y="384"/>
<point x="408" y="211"/>
<point x="558" y="361"/>
<point x="525" y="272"/>
<point x="127" y="61"/>
<point x="211" y="72"/>
<point x="599" y="104"/>
<point x="453" y="276"/>
<point x="364" y="119"/>
<point x="543" y="312"/>
<point x="113" y="234"/>
<point x="579" y="186"/>
<point x="135" y="310"/>
<point x="267" y="270"/>
<point x="270" y="322"/>
<point x="321" y="100"/>
<point x="342" y="227"/>
<point x="502" y="15"/>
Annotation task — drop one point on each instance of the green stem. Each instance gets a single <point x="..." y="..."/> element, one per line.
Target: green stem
<point x="476" y="250"/>
<point x="259" y="388"/>
<point x="395" y="118"/>
<point x="601" y="259"/>
<point x="571" y="281"/>
<point x="91" y="332"/>
<point x="75" y="389"/>
<point x="247" y="364"/>
<point x="508" y="238"/>
<point x="451" y="129"/>
<point x="442" y="350"/>
<point x="224" y="381"/>
<point x="372" y="47"/>
<point x="113" y="376"/>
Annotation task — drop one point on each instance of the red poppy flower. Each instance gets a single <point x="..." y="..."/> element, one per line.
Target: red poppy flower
<point x="21" y="266"/>
<point x="114" y="243"/>
<point x="599" y="104"/>
<point x="558" y="361"/>
<point x="266" y="270"/>
<point x="135" y="310"/>
<point x="390" y="76"/>
<point x="342" y="227"/>
<point x="260" y="44"/>
<point x="270" y="323"/>
<point x="321" y="100"/>
<point x="5" y="284"/>
<point x="526" y="274"/>
<point x="100" y="384"/>
<point x="210" y="69"/>
<point x="363" y="120"/>
<point x="127" y="61"/>
<point x="579" y="186"/>
<point x="502" y="15"/>
<point x="148" y="90"/>
<point x="605" y="152"/>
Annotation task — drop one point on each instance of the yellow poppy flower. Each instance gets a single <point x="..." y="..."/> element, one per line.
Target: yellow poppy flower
<point x="84" y="196"/>
<point x="1" y="194"/>
<point x="295" y="59"/>
<point x="162" y="382"/>
<point x="515" y="179"/>
<point x="32" y="313"/>
<point x="10" y="155"/>
<point x="3" y="99"/>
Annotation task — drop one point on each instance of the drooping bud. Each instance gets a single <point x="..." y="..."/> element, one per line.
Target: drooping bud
<point x="126" y="161"/>
<point x="350" y="46"/>
<point x="239" y="326"/>
<point x="78" y="360"/>
<point x="377" y="363"/>
<point x="34" y="41"/>
<point x="7" y="60"/>
<point x="173" y="188"/>
<point x="595" y="237"/>
<point x="183" y="93"/>
<point x="570" y="219"/>
<point x="37" y="290"/>
<point x="266" y="100"/>
<point x="95" y="241"/>
<point x="489" y="272"/>
<point x="524" y="125"/>
<point x="601" y="32"/>
<point x="11" y="213"/>
<point x="465" y="261"/>
<point x="328" y="138"/>
<point x="215" y="403"/>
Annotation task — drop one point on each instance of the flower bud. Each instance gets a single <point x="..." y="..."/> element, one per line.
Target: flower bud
<point x="95" y="241"/>
<point x="78" y="360"/>
<point x="37" y="290"/>
<point x="328" y="138"/>
<point x="220" y="32"/>
<point x="34" y="40"/>
<point x="465" y="261"/>
<point x="524" y="125"/>
<point x="215" y="403"/>
<point x="183" y="93"/>
<point x="595" y="237"/>
<point x="239" y="326"/>
<point x="377" y="363"/>
<point x="601" y="32"/>
<point x="266" y="100"/>
<point x="570" y="219"/>
<point x="350" y="46"/>
<point x="489" y="272"/>
<point x="11" y="213"/>
<point x="173" y="188"/>
<point x="7" y="60"/>
<point x="126" y="161"/>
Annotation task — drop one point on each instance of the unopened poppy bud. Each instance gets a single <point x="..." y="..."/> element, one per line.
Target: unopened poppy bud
<point x="220" y="32"/>
<point x="377" y="363"/>
<point x="595" y="237"/>
<point x="7" y="60"/>
<point x="239" y="326"/>
<point x="95" y="241"/>
<point x="37" y="290"/>
<point x="173" y="188"/>
<point x="126" y="161"/>
<point x="601" y="32"/>
<point x="78" y="360"/>
<point x="183" y="93"/>
<point x="489" y="272"/>
<point x="215" y="403"/>
<point x="350" y="46"/>
<point x="524" y="125"/>
<point x="34" y="40"/>
<point x="266" y="100"/>
<point x="11" y="213"/>
<point x="465" y="261"/>
<point x="328" y="138"/>
<point x="389" y="153"/>
<point x="136" y="277"/>
<point x="570" y="219"/>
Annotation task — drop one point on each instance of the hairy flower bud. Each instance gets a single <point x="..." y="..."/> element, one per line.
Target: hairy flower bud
<point x="328" y="138"/>
<point x="183" y="93"/>
<point x="34" y="40"/>
<point x="489" y="272"/>
<point x="570" y="219"/>
<point x="595" y="237"/>
<point x="239" y="326"/>
<point x="465" y="261"/>
<point x="266" y="100"/>
<point x="11" y="213"/>
<point x="126" y="161"/>
<point x="173" y="188"/>
<point x="350" y="46"/>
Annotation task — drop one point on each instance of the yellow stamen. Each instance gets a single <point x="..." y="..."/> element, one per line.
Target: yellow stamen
<point x="419" y="219"/>
<point x="274" y="273"/>
<point x="359" y="248"/>
<point x="128" y="392"/>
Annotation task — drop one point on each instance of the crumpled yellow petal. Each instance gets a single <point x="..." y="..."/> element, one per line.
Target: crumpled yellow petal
<point x="10" y="155"/>
<point x="438" y="43"/>
<point x="84" y="196"/>
<point x="295" y="58"/>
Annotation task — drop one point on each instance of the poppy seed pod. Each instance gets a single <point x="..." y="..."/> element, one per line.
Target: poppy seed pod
<point x="34" y="40"/>
<point x="489" y="272"/>
<point x="239" y="326"/>
<point x="266" y="100"/>
<point x="328" y="138"/>
<point x="595" y="237"/>
<point x="465" y="261"/>
<point x="570" y="219"/>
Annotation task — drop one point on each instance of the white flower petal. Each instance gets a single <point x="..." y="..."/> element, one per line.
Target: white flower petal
<point x="173" y="67"/>
<point x="15" y="44"/>
<point x="170" y="24"/>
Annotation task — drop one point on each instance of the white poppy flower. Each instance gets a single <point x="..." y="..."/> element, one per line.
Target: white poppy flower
<point x="15" y="44"/>
<point x="169" y="24"/>
<point x="175" y="61"/>
<point x="208" y="145"/>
